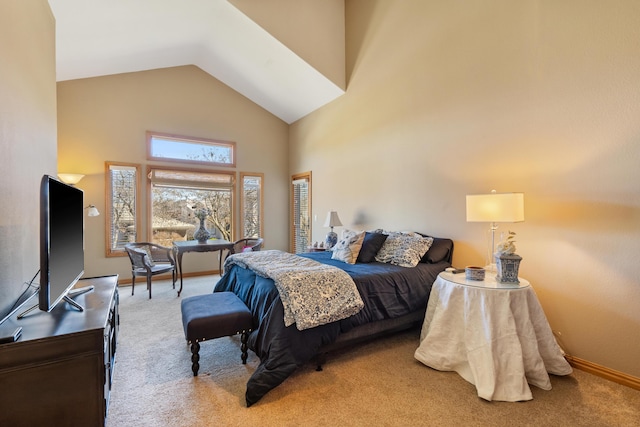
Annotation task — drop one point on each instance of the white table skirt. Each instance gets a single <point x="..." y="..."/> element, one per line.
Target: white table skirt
<point x="497" y="339"/>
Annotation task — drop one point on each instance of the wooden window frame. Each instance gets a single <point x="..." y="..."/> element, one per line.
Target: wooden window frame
<point x="242" y="202"/>
<point x="232" y="187"/>
<point x="295" y="177"/>
<point x="119" y="252"/>
<point x="193" y="140"/>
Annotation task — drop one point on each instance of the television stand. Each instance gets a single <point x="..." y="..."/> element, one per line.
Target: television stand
<point x="60" y="371"/>
<point x="68" y="298"/>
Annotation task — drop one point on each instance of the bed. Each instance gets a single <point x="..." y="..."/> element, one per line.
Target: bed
<point x="394" y="297"/>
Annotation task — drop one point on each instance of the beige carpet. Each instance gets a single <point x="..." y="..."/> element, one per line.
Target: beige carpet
<point x="377" y="384"/>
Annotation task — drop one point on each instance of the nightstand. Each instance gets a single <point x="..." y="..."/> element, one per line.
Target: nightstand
<point x="494" y="335"/>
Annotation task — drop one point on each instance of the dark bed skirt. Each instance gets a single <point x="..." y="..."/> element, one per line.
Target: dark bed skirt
<point x="370" y="331"/>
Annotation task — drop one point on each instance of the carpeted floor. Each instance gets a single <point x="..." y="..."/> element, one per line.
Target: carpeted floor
<point x="377" y="384"/>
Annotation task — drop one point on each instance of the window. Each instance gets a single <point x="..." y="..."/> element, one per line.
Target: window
<point x="165" y="147"/>
<point x="176" y="193"/>
<point x="122" y="206"/>
<point x="251" y="204"/>
<point x="301" y="212"/>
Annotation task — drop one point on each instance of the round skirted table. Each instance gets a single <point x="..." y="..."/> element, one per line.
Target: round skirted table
<point x="495" y="335"/>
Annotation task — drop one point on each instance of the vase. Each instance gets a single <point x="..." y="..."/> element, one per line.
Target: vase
<point x="201" y="234"/>
<point x="507" y="267"/>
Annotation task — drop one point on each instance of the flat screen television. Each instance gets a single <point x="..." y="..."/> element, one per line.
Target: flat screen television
<point x="61" y="241"/>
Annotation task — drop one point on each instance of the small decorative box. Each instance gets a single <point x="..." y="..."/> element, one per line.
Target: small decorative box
<point x="474" y="273"/>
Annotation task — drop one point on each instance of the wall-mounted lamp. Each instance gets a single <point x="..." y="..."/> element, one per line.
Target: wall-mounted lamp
<point x="70" y="178"/>
<point x="332" y="221"/>
<point x="92" y="211"/>
<point x="493" y="208"/>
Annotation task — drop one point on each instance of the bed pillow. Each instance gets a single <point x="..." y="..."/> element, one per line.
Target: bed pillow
<point x="370" y="246"/>
<point x="439" y="251"/>
<point x="403" y="249"/>
<point x="348" y="248"/>
<point x="346" y="234"/>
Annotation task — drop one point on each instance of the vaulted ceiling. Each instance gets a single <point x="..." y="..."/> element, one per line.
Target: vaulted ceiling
<point x="98" y="38"/>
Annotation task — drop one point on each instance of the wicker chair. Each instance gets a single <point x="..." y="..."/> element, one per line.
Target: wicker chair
<point x="246" y="244"/>
<point x="150" y="259"/>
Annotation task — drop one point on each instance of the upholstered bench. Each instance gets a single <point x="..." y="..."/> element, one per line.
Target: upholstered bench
<point x="220" y="314"/>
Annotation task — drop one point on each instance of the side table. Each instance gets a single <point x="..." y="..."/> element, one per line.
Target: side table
<point x="494" y="335"/>
<point x="212" y="245"/>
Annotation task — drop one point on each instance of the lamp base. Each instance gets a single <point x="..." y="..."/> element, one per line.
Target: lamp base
<point x="491" y="267"/>
<point x="331" y="240"/>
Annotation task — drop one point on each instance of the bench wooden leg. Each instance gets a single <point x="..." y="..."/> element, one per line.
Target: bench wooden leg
<point x="321" y="359"/>
<point x="243" y="339"/>
<point x="195" y="357"/>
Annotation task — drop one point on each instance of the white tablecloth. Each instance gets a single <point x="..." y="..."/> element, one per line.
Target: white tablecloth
<point x="497" y="339"/>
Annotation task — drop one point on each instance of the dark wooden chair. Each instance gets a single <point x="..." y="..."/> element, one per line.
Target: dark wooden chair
<point x="245" y="245"/>
<point x="148" y="260"/>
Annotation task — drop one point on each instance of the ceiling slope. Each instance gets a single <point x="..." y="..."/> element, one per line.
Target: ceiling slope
<point x="97" y="38"/>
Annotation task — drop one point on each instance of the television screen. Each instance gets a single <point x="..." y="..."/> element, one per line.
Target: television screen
<point x="61" y="240"/>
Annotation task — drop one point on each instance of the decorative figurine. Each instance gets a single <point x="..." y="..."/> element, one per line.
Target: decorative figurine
<point x="507" y="261"/>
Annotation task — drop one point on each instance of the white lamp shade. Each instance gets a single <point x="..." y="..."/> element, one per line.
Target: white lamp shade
<point x="92" y="211"/>
<point x="332" y="220"/>
<point x="495" y="207"/>
<point x="70" y="178"/>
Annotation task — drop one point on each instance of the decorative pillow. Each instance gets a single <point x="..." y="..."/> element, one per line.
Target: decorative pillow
<point x="403" y="249"/>
<point x="348" y="248"/>
<point x="370" y="246"/>
<point x="408" y="233"/>
<point x="147" y="249"/>
<point x="380" y="231"/>
<point x="146" y="254"/>
<point x="346" y="234"/>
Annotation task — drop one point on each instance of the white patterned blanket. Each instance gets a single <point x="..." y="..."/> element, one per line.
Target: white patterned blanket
<point x="312" y="293"/>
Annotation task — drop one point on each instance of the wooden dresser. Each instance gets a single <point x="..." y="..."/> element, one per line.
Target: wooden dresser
<point x="60" y="371"/>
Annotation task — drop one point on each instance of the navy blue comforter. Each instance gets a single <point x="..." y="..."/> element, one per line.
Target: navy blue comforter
<point x="388" y="291"/>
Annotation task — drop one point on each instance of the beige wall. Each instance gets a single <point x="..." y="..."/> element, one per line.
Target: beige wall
<point x="313" y="29"/>
<point x="27" y="137"/>
<point x="452" y="98"/>
<point x="105" y="119"/>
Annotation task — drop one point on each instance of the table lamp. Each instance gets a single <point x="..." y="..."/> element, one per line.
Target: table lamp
<point x="332" y="237"/>
<point x="493" y="208"/>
